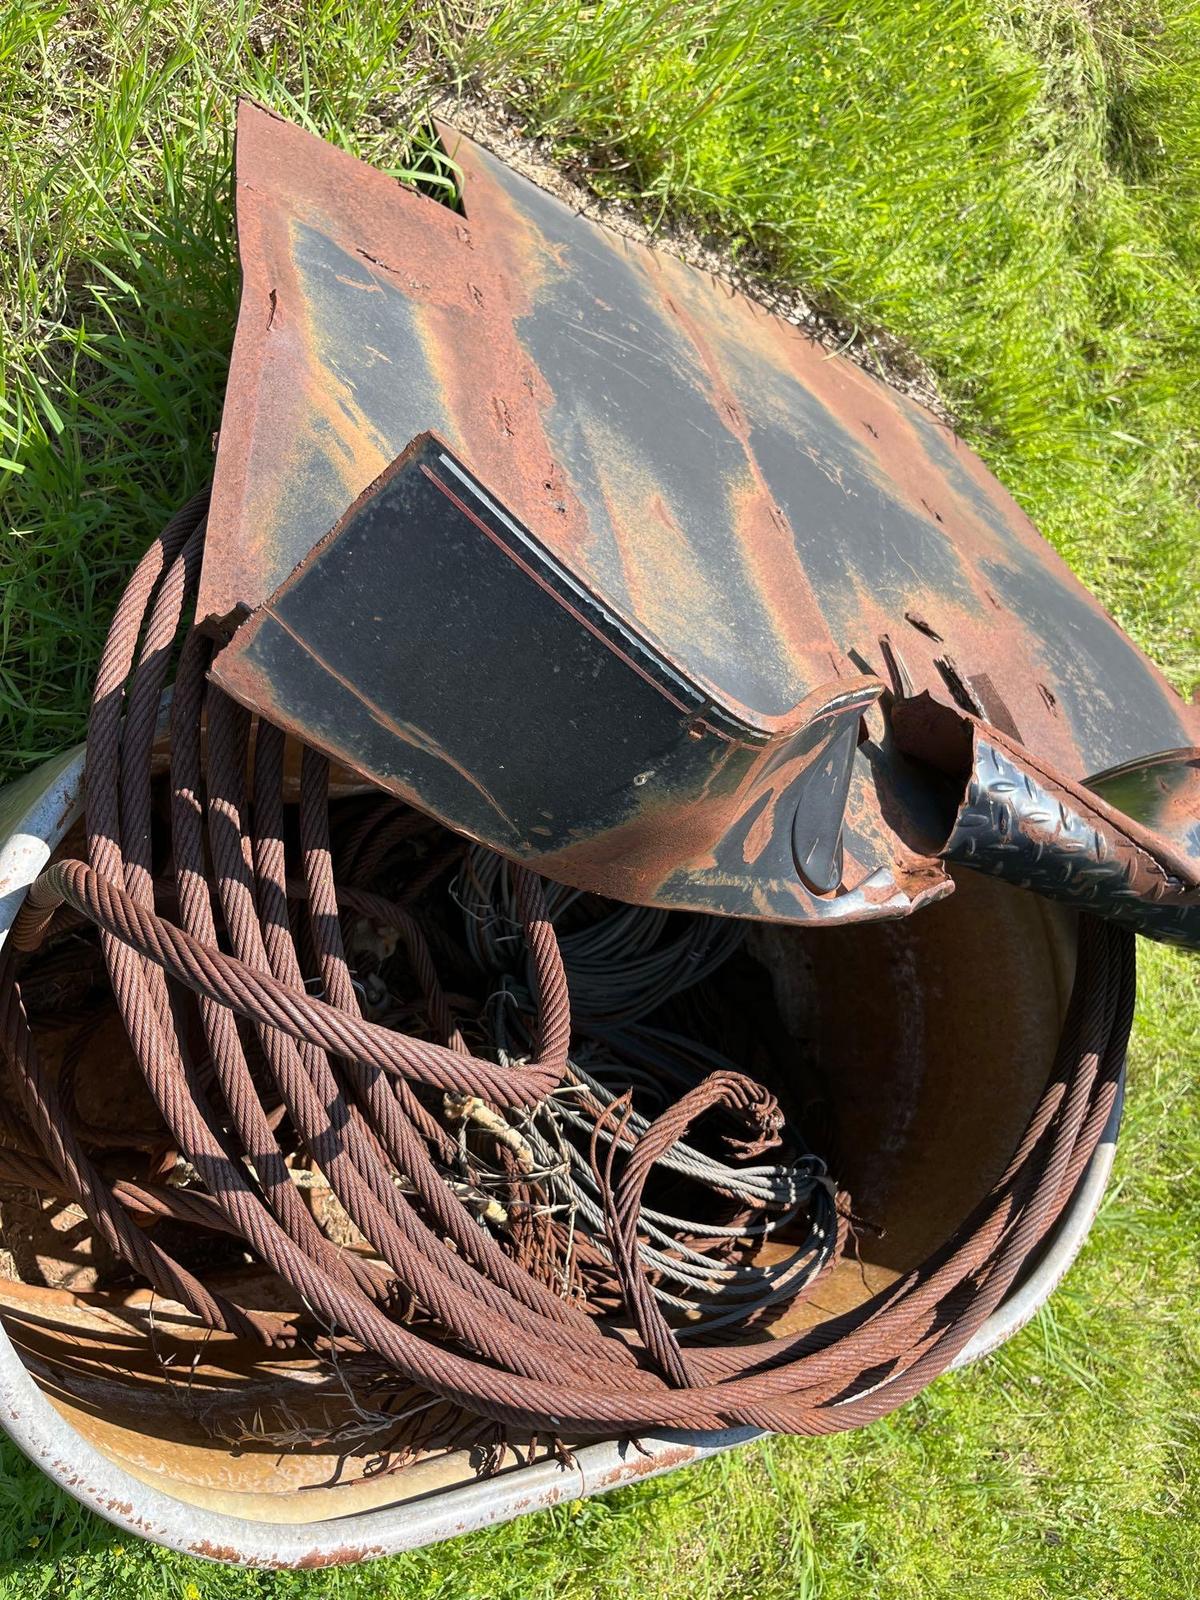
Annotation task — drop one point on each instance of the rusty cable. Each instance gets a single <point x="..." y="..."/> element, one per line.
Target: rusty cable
<point x="360" y="1098"/>
<point x="767" y="1198"/>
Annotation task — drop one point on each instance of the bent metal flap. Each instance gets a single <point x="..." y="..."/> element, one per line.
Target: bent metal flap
<point x="634" y="577"/>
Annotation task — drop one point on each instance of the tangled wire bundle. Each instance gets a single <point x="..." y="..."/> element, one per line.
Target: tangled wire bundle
<point x="248" y="1066"/>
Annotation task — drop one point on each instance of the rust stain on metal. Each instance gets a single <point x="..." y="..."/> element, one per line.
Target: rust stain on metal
<point x="755" y="508"/>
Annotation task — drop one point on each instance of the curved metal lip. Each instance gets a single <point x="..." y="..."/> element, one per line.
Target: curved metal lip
<point x="1184" y="755"/>
<point x="35" y="814"/>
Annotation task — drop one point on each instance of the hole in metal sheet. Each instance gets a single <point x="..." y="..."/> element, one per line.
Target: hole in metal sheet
<point x="432" y="171"/>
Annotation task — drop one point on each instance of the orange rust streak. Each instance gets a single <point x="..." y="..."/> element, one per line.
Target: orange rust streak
<point x="760" y="532"/>
<point x="667" y="589"/>
<point x="493" y="394"/>
<point x="579" y="617"/>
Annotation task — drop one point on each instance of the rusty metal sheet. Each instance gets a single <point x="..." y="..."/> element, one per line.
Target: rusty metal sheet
<point x="1014" y="817"/>
<point x="534" y="717"/>
<point x="772" y="522"/>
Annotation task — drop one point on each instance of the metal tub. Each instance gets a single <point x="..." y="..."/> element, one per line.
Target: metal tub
<point x="933" y="1036"/>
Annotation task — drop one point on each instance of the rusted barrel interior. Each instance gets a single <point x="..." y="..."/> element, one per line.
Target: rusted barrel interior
<point x="921" y="1046"/>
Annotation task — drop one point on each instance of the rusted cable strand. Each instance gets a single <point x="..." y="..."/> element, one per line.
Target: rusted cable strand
<point x="626" y="968"/>
<point x="148" y="1203"/>
<point x="622" y="1201"/>
<point x="710" y="1291"/>
<point x="597" y="1075"/>
<point x="506" y="1346"/>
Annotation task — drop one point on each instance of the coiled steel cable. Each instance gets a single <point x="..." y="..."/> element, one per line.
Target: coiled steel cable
<point x="621" y="966"/>
<point x="498" y="1342"/>
<point x="710" y="1292"/>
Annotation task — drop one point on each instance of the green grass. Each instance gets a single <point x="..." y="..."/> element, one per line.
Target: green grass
<point x="1013" y="191"/>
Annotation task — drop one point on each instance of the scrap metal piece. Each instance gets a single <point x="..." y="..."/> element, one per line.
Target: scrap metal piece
<point x="821" y="794"/>
<point x="534" y="717"/>
<point x="753" y="509"/>
<point x="1019" y="820"/>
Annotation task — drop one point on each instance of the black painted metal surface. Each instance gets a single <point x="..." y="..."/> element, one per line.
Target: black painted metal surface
<point x="432" y="641"/>
<point x="778" y="532"/>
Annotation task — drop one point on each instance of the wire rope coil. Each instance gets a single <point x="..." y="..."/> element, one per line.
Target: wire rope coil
<point x="234" y="1046"/>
